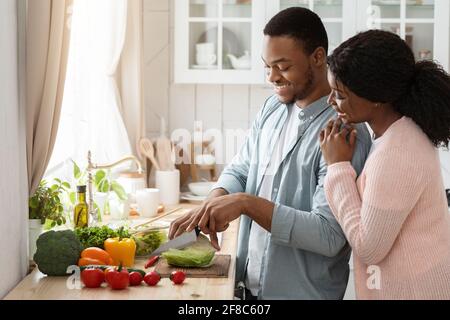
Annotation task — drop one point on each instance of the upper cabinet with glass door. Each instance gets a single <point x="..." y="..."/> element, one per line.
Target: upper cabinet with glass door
<point x="423" y="24"/>
<point x="338" y="16"/>
<point x="218" y="41"/>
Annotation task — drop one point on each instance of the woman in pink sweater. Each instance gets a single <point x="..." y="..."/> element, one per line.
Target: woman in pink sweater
<point x="395" y="214"/>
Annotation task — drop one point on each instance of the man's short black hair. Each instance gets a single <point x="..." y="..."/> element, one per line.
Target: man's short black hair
<point x="300" y="24"/>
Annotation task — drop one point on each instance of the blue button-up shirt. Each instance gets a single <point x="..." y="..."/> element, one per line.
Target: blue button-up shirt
<point x="306" y="253"/>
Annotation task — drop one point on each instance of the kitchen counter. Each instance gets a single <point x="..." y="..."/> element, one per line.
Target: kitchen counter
<point x="37" y="286"/>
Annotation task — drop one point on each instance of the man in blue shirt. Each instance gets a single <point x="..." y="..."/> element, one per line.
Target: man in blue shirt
<point x="290" y="245"/>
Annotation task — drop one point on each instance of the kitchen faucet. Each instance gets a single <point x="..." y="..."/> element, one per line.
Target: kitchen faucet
<point x="91" y="167"/>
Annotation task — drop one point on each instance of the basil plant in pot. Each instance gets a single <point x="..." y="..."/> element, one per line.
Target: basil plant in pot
<point x="45" y="210"/>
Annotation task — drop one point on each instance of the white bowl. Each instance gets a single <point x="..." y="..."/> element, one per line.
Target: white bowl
<point x="205" y="160"/>
<point x="201" y="188"/>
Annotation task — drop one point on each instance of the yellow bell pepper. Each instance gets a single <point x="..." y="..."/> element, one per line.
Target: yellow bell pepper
<point x="121" y="250"/>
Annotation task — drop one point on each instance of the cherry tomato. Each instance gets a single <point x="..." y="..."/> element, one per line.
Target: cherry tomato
<point x="177" y="277"/>
<point x="152" y="278"/>
<point x="118" y="279"/>
<point x="92" y="278"/>
<point x="135" y="278"/>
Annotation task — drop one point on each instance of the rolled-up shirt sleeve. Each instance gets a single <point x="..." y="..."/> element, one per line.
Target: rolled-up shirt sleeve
<point x="231" y="182"/>
<point x="316" y="231"/>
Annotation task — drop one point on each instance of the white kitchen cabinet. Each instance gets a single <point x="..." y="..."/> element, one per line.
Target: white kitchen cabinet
<point x="423" y="24"/>
<point x="208" y="31"/>
<point x="236" y="27"/>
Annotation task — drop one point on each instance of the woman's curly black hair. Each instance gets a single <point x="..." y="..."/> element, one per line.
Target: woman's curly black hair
<point x="380" y="67"/>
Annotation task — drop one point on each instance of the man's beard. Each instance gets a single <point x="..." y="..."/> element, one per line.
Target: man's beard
<point x="306" y="90"/>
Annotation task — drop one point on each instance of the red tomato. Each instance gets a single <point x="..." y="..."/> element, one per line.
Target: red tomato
<point x="92" y="278"/>
<point x="152" y="278"/>
<point x="135" y="278"/>
<point x="177" y="277"/>
<point x="118" y="278"/>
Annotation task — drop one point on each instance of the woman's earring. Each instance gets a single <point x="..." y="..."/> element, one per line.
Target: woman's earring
<point x="377" y="105"/>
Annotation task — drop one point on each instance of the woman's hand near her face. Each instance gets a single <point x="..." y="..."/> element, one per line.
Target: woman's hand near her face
<point x="334" y="143"/>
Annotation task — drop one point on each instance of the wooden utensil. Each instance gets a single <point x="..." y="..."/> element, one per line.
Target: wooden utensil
<point x="147" y="149"/>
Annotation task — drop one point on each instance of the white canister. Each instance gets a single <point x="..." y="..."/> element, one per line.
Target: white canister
<point x="148" y="201"/>
<point x="35" y="228"/>
<point x="100" y="198"/>
<point x="117" y="209"/>
<point x="168" y="183"/>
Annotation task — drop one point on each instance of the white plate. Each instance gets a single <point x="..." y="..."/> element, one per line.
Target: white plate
<point x="199" y="67"/>
<point x="188" y="196"/>
<point x="242" y="68"/>
<point x="396" y="2"/>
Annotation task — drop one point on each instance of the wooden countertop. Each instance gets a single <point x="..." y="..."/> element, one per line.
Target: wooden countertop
<point x="37" y="286"/>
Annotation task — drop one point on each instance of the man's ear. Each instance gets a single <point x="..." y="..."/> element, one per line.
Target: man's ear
<point x="319" y="57"/>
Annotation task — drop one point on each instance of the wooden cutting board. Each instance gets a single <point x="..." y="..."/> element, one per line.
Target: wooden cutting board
<point x="219" y="269"/>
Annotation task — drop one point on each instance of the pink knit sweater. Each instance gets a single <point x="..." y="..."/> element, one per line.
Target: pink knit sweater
<point x="395" y="217"/>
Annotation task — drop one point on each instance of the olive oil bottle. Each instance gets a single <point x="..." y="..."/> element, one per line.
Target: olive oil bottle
<point x="81" y="212"/>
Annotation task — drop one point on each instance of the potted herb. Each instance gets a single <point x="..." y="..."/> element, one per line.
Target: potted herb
<point x="45" y="207"/>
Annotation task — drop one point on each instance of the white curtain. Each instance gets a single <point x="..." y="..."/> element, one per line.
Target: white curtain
<point x="130" y="78"/>
<point x="91" y="118"/>
<point x="47" y="43"/>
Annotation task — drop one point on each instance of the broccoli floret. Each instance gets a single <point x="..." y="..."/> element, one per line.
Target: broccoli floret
<point x="57" y="250"/>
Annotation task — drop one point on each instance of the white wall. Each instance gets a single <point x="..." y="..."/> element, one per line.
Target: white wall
<point x="13" y="183"/>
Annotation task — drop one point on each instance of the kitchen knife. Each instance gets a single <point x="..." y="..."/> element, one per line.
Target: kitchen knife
<point x="180" y="242"/>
